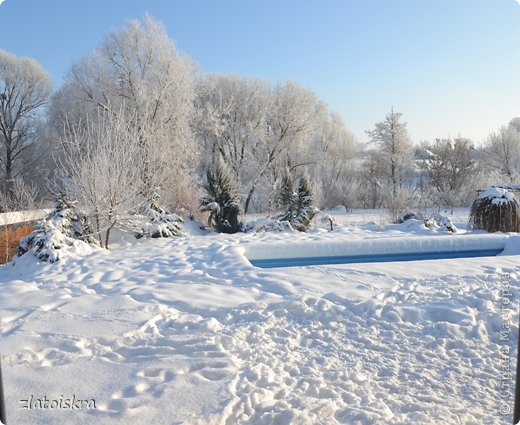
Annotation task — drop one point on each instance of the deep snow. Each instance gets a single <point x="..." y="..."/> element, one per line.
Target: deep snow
<point x="185" y="330"/>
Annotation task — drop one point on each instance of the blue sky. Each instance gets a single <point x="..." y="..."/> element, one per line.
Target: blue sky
<point x="452" y="67"/>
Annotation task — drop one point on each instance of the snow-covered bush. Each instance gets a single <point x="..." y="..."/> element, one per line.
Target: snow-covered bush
<point x="326" y="220"/>
<point x="267" y="225"/>
<point x="61" y="230"/>
<point x="296" y="198"/>
<point x="496" y="210"/>
<point x="399" y="204"/>
<point x="407" y="216"/>
<point x="222" y="200"/>
<point x="439" y="221"/>
<point x="158" y="223"/>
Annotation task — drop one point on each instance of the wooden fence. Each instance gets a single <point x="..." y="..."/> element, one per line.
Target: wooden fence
<point x="13" y="227"/>
<point x="9" y="239"/>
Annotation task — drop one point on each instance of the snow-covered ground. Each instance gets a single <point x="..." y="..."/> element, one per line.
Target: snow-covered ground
<point x="185" y="330"/>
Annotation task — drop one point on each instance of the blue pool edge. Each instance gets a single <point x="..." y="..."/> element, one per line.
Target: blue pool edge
<point x="372" y="258"/>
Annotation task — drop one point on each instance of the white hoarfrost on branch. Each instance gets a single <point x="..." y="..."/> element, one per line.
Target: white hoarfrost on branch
<point x="395" y="162"/>
<point x="450" y="172"/>
<point x="102" y="168"/>
<point x="502" y="154"/>
<point x="258" y="129"/>
<point x="138" y="74"/>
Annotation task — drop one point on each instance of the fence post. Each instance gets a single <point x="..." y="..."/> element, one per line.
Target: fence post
<point x="2" y="400"/>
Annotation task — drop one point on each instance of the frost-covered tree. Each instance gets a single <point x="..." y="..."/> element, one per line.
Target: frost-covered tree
<point x="138" y="73"/>
<point x="231" y="123"/>
<point x="392" y="140"/>
<point x="102" y="168"/>
<point x="450" y="172"/>
<point x="515" y="123"/>
<point x="230" y="119"/>
<point x="222" y="200"/>
<point x="332" y="166"/>
<point x="22" y="196"/>
<point x="502" y="154"/>
<point x="25" y="87"/>
<point x="258" y="129"/>
<point x="393" y="143"/>
<point x="295" y="116"/>
<point x="371" y="180"/>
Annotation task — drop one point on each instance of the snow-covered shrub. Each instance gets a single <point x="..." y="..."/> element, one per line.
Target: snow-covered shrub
<point x="296" y="198"/>
<point x="158" y="222"/>
<point x="496" y="210"/>
<point x="325" y="220"/>
<point x="407" y="216"/>
<point x="267" y="225"/>
<point x="439" y="221"/>
<point x="62" y="229"/>
<point x="399" y="204"/>
<point x="222" y="200"/>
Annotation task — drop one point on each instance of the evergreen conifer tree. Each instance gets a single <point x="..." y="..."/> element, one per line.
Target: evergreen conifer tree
<point x="222" y="200"/>
<point x="297" y="203"/>
<point x="305" y="210"/>
<point x="287" y="198"/>
<point x="57" y="230"/>
<point x="161" y="224"/>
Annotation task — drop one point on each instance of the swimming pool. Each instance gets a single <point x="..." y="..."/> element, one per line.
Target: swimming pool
<point x="373" y="258"/>
<point x="375" y="250"/>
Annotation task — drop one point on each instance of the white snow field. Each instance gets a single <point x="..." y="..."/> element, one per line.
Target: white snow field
<point x="187" y="331"/>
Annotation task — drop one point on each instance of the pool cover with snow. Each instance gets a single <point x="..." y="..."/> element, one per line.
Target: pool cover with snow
<point x="375" y="250"/>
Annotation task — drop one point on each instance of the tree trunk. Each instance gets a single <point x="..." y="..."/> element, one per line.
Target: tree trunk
<point x="248" y="200"/>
